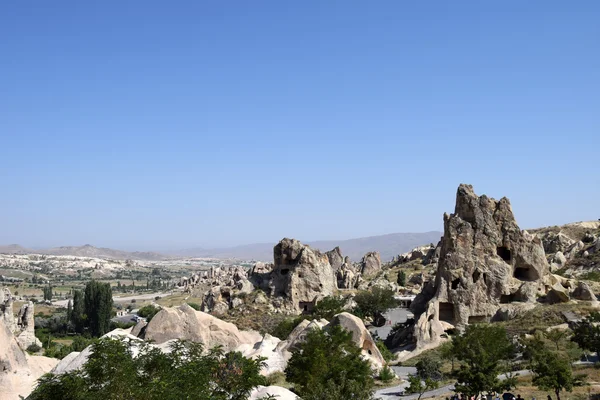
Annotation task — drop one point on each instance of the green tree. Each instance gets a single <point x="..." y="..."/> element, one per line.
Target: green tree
<point x="329" y="365"/>
<point x="419" y="386"/>
<point x="447" y="353"/>
<point x="552" y="372"/>
<point x="401" y="278"/>
<point x="78" y="317"/>
<point x="187" y="372"/>
<point x="375" y="302"/>
<point x="329" y="306"/>
<point x="485" y="352"/>
<point x="47" y="291"/>
<point x="148" y="312"/>
<point x="587" y="333"/>
<point x="98" y="306"/>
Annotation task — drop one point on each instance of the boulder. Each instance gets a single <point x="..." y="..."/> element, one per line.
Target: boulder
<point x="485" y="261"/>
<point x="245" y="286"/>
<point x="583" y="292"/>
<point x="279" y="393"/>
<point x="555" y="242"/>
<point x="186" y="323"/>
<point x="557" y="294"/>
<point x="370" y="264"/>
<point x="360" y="336"/>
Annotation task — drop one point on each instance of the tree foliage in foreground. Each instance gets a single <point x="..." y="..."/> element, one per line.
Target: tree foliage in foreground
<point x="485" y="352"/>
<point x="113" y="373"/>
<point x="329" y="366"/>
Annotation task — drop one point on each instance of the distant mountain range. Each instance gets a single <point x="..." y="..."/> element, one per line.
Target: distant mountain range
<point x="388" y="246"/>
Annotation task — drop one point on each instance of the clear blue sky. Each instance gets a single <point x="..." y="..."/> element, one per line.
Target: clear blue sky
<point x="162" y="125"/>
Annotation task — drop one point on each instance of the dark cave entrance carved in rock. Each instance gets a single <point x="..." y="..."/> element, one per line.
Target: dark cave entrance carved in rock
<point x="476" y="275"/>
<point x="455" y="283"/>
<point x="447" y="312"/>
<point x="504" y="253"/>
<point x="526" y="274"/>
<point x="284" y="271"/>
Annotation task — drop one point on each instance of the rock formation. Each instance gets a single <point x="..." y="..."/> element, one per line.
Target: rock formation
<point x="336" y="260"/>
<point x="18" y="371"/>
<point x="22" y="326"/>
<point x="186" y="323"/>
<point x="300" y="275"/>
<point x="486" y="263"/>
<point x="370" y="264"/>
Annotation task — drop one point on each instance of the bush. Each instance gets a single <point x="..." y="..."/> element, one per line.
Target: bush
<point x="112" y="372"/>
<point x="285" y="327"/>
<point x="33" y="348"/>
<point x="385" y="352"/>
<point x="195" y="306"/>
<point x="329" y="365"/>
<point x="375" y="302"/>
<point x="148" y="312"/>
<point x="386" y="374"/>
<point x="329" y="306"/>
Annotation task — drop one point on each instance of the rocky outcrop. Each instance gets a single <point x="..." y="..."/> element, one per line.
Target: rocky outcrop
<point x="486" y="261"/>
<point x="300" y="275"/>
<point x="23" y="326"/>
<point x="336" y="260"/>
<point x="18" y="371"/>
<point x="360" y="336"/>
<point x="186" y="323"/>
<point x="370" y="264"/>
<point x="279" y="393"/>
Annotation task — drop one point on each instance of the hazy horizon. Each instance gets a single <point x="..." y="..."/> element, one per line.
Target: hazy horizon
<point x="155" y="126"/>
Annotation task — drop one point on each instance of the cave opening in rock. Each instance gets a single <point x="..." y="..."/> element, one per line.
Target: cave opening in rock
<point x="447" y="312"/>
<point x="306" y="306"/>
<point x="504" y="253"/>
<point x="476" y="275"/>
<point x="525" y="274"/>
<point x="507" y="298"/>
<point x="455" y="283"/>
<point x="485" y="279"/>
<point x="285" y="271"/>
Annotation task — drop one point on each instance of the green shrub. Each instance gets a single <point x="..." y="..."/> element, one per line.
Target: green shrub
<point x="385" y="352"/>
<point x="285" y="327"/>
<point x="33" y="348"/>
<point x="148" y="312"/>
<point x="386" y="374"/>
<point x="195" y="306"/>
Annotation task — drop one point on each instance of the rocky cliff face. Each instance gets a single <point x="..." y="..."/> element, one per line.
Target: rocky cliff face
<point x="300" y="275"/>
<point x="486" y="265"/>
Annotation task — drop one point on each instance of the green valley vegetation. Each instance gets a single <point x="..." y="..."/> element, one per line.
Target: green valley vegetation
<point x="329" y="366"/>
<point x="187" y="372"/>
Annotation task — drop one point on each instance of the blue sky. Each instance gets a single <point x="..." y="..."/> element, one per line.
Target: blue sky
<point x="162" y="125"/>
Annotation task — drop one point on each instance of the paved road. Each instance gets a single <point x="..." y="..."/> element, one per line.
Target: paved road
<point x="395" y="392"/>
<point x="392" y="316"/>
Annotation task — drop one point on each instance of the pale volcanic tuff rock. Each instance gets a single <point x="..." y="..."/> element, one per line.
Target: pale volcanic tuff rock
<point x="485" y="262"/>
<point x="18" y="371"/>
<point x="371" y="264"/>
<point x="300" y="274"/>
<point x="186" y="323"/>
